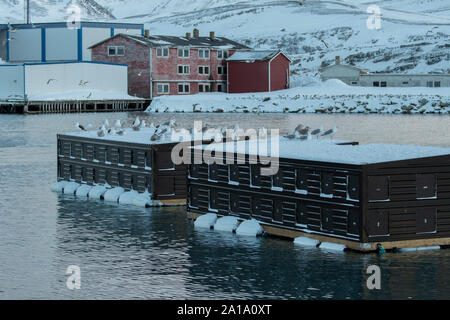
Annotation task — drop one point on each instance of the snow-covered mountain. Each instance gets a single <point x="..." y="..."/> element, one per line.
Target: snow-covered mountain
<point x="414" y="35"/>
<point x="51" y="10"/>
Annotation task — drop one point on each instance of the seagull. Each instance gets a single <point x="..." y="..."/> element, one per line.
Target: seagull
<point x="136" y="124"/>
<point x="302" y="131"/>
<point x="101" y="132"/>
<point x="89" y="95"/>
<point x="330" y="132"/>
<point x="79" y="127"/>
<point x="317" y="132"/>
<point x="83" y="83"/>
<point x="142" y="124"/>
<point x="117" y="125"/>
<point x="298" y="128"/>
<point x="50" y="80"/>
<point x="290" y="136"/>
<point x="106" y="123"/>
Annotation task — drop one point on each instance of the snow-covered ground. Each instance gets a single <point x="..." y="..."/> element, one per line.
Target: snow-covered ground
<point x="332" y="96"/>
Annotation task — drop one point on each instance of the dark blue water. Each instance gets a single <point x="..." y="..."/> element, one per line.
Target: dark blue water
<point x="135" y="253"/>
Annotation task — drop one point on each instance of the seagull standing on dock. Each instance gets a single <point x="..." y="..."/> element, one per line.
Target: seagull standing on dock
<point x="317" y="132"/>
<point x="136" y="124"/>
<point x="330" y="132"/>
<point x="106" y="123"/>
<point x="300" y="132"/>
<point x="79" y="127"/>
<point x="117" y="124"/>
<point x="142" y="125"/>
<point x="102" y="131"/>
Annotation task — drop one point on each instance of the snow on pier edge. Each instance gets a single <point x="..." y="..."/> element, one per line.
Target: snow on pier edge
<point x="332" y="96"/>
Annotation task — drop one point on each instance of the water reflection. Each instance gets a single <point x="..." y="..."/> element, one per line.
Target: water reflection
<point x="128" y="252"/>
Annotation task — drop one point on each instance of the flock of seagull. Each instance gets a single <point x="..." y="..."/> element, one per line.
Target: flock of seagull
<point x="167" y="128"/>
<point x="305" y="133"/>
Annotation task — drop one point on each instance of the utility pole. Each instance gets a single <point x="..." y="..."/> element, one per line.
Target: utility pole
<point x="27" y="9"/>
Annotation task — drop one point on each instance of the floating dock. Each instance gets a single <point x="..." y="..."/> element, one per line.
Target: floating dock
<point x="131" y="161"/>
<point x="359" y="196"/>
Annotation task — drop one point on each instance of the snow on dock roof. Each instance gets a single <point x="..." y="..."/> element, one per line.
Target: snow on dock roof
<point x="142" y="136"/>
<point x="326" y="150"/>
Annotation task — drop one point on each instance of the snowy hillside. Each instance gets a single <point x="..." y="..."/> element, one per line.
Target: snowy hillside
<point x="414" y="35"/>
<point x="50" y="10"/>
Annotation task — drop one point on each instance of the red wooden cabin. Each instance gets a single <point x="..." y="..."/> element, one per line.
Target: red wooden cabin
<point x="258" y="71"/>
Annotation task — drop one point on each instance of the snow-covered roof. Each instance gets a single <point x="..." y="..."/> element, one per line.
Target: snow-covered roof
<point x="256" y="55"/>
<point x="173" y="41"/>
<point x="131" y="136"/>
<point x="326" y="150"/>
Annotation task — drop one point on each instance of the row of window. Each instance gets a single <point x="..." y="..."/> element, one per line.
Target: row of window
<point x="185" y="53"/>
<point x="164" y="52"/>
<point x="164" y="88"/>
<point x="204" y="70"/>
<point x="384" y="83"/>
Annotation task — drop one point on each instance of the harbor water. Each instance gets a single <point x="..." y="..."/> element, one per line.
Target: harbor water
<point x="126" y="252"/>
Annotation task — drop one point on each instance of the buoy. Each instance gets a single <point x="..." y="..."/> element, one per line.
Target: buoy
<point x="206" y="221"/>
<point x="306" y="242"/>
<point x="227" y="223"/>
<point x="250" y="228"/>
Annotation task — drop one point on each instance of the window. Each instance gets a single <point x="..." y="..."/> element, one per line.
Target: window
<point x="437" y="83"/>
<point x="203" y="70"/>
<point x="354" y="82"/>
<point x="383" y="84"/>
<point x="222" y="54"/>
<point x="183" y="69"/>
<point x="162" y="52"/>
<point x="183" y="53"/>
<point x="221" y="70"/>
<point x="203" y="53"/>
<point x="376" y="84"/>
<point x="116" y="51"/>
<point x="220" y="87"/>
<point x="163" y="88"/>
<point x="204" y="87"/>
<point x="405" y="82"/>
<point x="184" y="88"/>
<point x="429" y="83"/>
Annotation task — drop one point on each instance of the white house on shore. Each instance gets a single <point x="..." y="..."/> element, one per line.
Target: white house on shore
<point x="48" y="68"/>
<point x="355" y="76"/>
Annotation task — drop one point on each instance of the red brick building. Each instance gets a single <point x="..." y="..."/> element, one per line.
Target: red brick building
<point x="258" y="71"/>
<point x="161" y="65"/>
